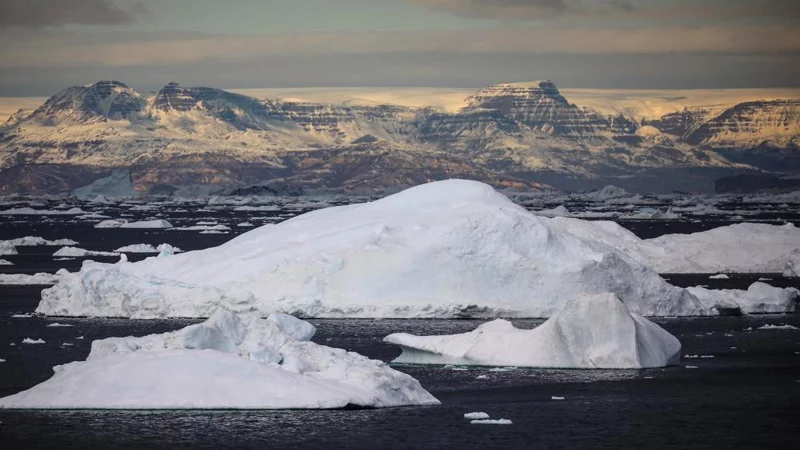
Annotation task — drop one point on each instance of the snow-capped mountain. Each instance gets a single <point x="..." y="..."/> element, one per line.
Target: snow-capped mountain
<point x="510" y="135"/>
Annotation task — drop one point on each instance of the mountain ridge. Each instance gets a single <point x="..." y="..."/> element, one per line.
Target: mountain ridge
<point x="513" y="134"/>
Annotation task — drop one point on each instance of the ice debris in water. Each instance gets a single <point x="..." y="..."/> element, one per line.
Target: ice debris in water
<point x="476" y="415"/>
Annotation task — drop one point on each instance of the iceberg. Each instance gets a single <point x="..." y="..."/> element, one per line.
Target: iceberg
<point x="447" y="249"/>
<point x="36" y="279"/>
<point x="591" y="332"/>
<point x="31" y="241"/>
<point x="453" y="248"/>
<point x="117" y="184"/>
<point x="75" y="252"/>
<point x="739" y="248"/>
<point x="230" y="361"/>
<point x="759" y="298"/>
<point x="148" y="248"/>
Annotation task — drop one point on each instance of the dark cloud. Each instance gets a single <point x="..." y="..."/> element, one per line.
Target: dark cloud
<point x="47" y="13"/>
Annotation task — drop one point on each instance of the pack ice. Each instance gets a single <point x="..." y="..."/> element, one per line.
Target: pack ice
<point x="591" y="332"/>
<point x="447" y="249"/>
<point x="230" y="361"/>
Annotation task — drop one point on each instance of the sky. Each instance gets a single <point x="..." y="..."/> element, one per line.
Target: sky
<point x="46" y="45"/>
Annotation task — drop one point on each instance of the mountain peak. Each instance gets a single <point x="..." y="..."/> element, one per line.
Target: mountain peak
<point x="94" y="102"/>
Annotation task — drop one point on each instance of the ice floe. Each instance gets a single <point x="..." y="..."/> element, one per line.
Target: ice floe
<point x="591" y="332"/>
<point x="231" y="361"/>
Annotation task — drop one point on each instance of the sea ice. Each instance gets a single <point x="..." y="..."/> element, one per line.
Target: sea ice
<point x="591" y="332"/>
<point x="32" y="341"/>
<point x="230" y="361"/>
<point x="476" y="415"/>
<point x="4" y="262"/>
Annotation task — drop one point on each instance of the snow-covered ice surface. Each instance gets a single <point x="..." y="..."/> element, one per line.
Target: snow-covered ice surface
<point x="447" y="249"/>
<point x="591" y="332"/>
<point x="231" y="361"/>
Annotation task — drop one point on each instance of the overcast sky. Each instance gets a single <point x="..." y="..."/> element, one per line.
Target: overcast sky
<point x="46" y="45"/>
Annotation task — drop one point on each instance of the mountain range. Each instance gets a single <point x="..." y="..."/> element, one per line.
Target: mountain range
<point x="520" y="135"/>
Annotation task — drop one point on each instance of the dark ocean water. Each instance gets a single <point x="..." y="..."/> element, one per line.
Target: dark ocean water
<point x="746" y="396"/>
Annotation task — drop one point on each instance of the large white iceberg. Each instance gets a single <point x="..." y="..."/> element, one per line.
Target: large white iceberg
<point x="591" y="332"/>
<point x="448" y="249"/>
<point x="228" y="362"/>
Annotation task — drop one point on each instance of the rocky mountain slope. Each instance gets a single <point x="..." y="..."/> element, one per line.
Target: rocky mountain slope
<point x="519" y="135"/>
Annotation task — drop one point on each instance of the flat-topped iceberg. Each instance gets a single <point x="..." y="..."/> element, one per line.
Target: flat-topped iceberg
<point x="227" y="362"/>
<point x="591" y="332"/>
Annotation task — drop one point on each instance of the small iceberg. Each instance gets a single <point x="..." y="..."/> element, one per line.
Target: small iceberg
<point x="590" y="332"/>
<point x="230" y="361"/>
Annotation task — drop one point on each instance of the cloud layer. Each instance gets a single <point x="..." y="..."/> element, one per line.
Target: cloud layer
<point x="43" y="50"/>
<point x="46" y="13"/>
<point x="616" y="9"/>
